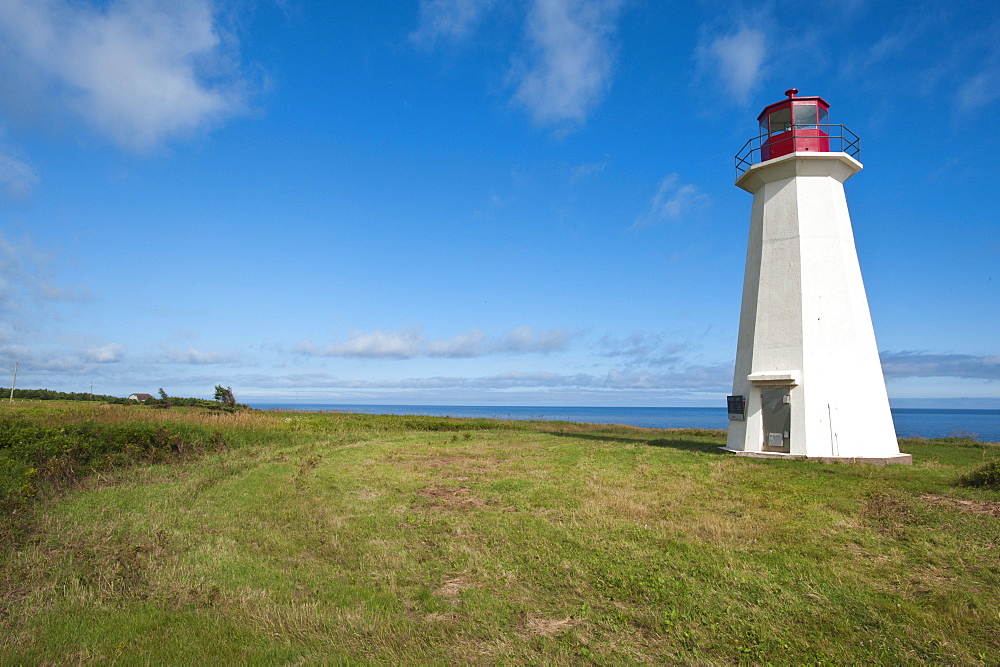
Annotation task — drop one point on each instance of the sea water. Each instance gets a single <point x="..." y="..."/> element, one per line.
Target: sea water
<point x="983" y="425"/>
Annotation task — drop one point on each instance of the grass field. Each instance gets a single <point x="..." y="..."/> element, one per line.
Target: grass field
<point x="274" y="537"/>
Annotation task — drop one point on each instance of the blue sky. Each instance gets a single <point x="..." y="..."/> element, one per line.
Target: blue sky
<point x="472" y="201"/>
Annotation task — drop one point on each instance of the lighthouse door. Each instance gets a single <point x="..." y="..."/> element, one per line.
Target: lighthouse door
<point x="776" y="413"/>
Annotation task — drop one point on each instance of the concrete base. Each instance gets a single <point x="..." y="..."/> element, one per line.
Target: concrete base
<point x="899" y="459"/>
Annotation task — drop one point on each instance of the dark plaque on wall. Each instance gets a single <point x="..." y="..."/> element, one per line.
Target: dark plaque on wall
<point x="737" y="407"/>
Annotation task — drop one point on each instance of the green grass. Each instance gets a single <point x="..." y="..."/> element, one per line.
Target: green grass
<point x="364" y="538"/>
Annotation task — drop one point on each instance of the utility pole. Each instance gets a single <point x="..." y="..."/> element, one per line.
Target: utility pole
<point x="13" y="382"/>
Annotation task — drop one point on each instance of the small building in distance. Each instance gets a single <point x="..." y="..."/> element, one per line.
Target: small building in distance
<point x="139" y="398"/>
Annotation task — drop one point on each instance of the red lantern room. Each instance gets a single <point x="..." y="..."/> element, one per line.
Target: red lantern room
<point x="795" y="124"/>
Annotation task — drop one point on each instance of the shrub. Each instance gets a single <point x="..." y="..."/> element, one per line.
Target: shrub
<point x="986" y="476"/>
<point x="31" y="454"/>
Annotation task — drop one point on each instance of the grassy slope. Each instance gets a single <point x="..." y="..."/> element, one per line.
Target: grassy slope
<point x="366" y="538"/>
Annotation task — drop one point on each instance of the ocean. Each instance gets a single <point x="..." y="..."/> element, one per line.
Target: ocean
<point x="983" y="425"/>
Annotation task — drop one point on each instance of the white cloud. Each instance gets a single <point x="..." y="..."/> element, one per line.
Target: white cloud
<point x="923" y="364"/>
<point x="586" y="170"/>
<point x="979" y="91"/>
<point x="192" y="355"/>
<point x="738" y="59"/>
<point x="411" y="343"/>
<point x="716" y="378"/>
<point x="16" y="177"/>
<point x="646" y="349"/>
<point x="524" y="339"/>
<point x="567" y="61"/>
<point x="44" y="360"/>
<point x="448" y="19"/>
<point x="27" y="290"/>
<point x="110" y="353"/>
<point x="468" y="344"/>
<point x="372" y="345"/>
<point x="570" y="61"/>
<point x="138" y="71"/>
<point x="672" y="201"/>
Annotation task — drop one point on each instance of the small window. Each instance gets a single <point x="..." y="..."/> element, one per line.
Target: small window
<point x="780" y="120"/>
<point x="822" y="116"/>
<point x="805" y="115"/>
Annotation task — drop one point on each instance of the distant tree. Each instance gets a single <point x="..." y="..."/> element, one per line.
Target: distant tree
<point x="224" y="395"/>
<point x="163" y="401"/>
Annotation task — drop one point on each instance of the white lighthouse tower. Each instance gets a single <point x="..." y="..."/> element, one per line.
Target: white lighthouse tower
<point x="808" y="382"/>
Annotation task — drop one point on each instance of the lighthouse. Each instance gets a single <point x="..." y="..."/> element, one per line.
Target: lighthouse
<point x="808" y="381"/>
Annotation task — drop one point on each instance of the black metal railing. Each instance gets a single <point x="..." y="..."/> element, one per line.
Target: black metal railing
<point x="841" y="140"/>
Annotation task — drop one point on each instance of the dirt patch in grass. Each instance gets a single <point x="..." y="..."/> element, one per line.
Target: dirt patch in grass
<point x="990" y="507"/>
<point x="927" y="580"/>
<point x="455" y="498"/>
<point x="457" y="467"/>
<point x="444" y="461"/>
<point x="885" y="511"/>
<point x="539" y="626"/>
<point x="452" y="588"/>
<point x="455" y="461"/>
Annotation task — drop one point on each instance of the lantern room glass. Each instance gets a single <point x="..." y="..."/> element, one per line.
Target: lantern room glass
<point x="805" y="115"/>
<point x="794" y="125"/>
<point x="798" y="115"/>
<point x="779" y="121"/>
